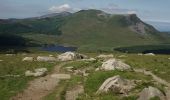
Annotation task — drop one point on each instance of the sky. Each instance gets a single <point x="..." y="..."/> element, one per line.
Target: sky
<point x="147" y="10"/>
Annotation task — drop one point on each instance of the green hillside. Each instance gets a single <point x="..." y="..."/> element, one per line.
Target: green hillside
<point x="86" y="29"/>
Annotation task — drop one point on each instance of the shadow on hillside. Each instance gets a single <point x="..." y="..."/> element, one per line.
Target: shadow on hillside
<point x="10" y="43"/>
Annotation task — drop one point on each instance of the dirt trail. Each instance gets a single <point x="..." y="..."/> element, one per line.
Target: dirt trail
<point x="73" y="93"/>
<point x="40" y="87"/>
<point x="157" y="79"/>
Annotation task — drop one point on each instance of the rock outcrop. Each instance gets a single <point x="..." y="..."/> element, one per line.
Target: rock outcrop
<point x="28" y="59"/>
<point x="151" y="92"/>
<point x="37" y="72"/>
<point x="46" y="59"/>
<point x="116" y="84"/>
<point x="68" y="56"/>
<point x="114" y="64"/>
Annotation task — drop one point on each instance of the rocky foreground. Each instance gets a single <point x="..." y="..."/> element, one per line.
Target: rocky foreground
<point x="45" y="82"/>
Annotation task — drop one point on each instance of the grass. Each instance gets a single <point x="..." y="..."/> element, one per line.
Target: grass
<point x="159" y="64"/>
<point x="9" y="86"/>
<point x="83" y="64"/>
<point x="13" y="65"/>
<point x="95" y="80"/>
<point x="60" y="91"/>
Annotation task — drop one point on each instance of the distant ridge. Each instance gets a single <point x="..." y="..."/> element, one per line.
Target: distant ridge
<point x="86" y="29"/>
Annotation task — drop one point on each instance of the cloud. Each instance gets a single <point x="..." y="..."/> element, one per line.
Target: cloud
<point x="62" y="8"/>
<point x="131" y="12"/>
<point x="115" y="9"/>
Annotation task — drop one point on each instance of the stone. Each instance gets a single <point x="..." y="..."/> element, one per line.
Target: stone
<point x="68" y="56"/>
<point x="69" y="69"/>
<point x="46" y="59"/>
<point x="51" y="55"/>
<point x="105" y="56"/>
<point x="149" y="54"/>
<point x="150" y="92"/>
<point x="117" y="84"/>
<point x="97" y="69"/>
<point x="61" y="76"/>
<point x="1" y="60"/>
<point x="28" y="59"/>
<point x="10" y="54"/>
<point x="122" y="56"/>
<point x="37" y="72"/>
<point x="114" y="64"/>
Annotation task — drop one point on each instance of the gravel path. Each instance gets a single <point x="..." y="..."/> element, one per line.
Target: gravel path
<point x="40" y="87"/>
<point x="73" y="93"/>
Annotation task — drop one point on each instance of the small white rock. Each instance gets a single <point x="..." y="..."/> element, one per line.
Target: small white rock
<point x="37" y="72"/>
<point x="46" y="59"/>
<point x="149" y="54"/>
<point x="28" y="59"/>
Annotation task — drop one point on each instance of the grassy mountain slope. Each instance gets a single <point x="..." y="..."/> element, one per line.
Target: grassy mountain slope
<point x="85" y="29"/>
<point x="91" y="28"/>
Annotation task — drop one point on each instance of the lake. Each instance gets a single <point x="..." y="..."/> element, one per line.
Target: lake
<point x="58" y="48"/>
<point x="156" y="49"/>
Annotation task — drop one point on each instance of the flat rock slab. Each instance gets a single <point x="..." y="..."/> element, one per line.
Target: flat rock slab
<point x="61" y="76"/>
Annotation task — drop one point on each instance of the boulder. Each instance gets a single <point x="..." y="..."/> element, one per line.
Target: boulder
<point x="116" y="84"/>
<point x="46" y="58"/>
<point x="151" y="92"/>
<point x="37" y="72"/>
<point x="28" y="59"/>
<point x="68" y="56"/>
<point x="105" y="56"/>
<point x="1" y="60"/>
<point x="114" y="64"/>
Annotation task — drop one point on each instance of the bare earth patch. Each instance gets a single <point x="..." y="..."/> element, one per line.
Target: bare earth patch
<point x="40" y="87"/>
<point x="73" y="93"/>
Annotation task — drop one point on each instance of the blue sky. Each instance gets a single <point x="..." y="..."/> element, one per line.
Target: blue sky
<point x="147" y="10"/>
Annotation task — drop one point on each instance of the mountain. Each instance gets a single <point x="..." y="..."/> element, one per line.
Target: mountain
<point x="94" y="28"/>
<point x="162" y="26"/>
<point x="87" y="29"/>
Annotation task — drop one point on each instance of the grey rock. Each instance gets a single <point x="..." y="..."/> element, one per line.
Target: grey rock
<point x="114" y="64"/>
<point x="116" y="84"/>
<point x="150" y="92"/>
<point x="46" y="59"/>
